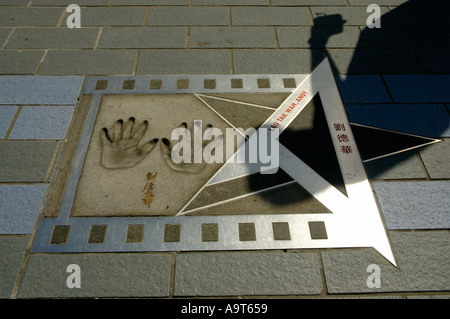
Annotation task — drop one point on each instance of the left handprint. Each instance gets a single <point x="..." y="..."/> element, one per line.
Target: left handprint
<point x="123" y="148"/>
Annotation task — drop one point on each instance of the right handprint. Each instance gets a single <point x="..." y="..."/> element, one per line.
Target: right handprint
<point x="188" y="154"/>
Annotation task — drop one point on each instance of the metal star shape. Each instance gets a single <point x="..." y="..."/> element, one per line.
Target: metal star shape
<point x="355" y="220"/>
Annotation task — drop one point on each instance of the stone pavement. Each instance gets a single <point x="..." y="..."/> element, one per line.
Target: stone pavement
<point x="396" y="77"/>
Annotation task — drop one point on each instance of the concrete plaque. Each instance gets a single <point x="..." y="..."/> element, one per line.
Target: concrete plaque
<point x="125" y="172"/>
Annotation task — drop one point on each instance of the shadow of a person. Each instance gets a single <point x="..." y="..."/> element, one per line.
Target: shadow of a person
<point x="378" y="51"/>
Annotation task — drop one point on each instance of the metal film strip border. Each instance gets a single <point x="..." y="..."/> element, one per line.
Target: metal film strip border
<point x="235" y="232"/>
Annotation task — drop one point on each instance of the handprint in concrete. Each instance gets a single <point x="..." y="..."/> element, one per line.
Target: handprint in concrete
<point x="123" y="147"/>
<point x="193" y="152"/>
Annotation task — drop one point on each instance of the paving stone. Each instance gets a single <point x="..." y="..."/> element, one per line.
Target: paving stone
<point x="436" y="296"/>
<point x="188" y="16"/>
<point x="266" y="61"/>
<point x="374" y="61"/>
<point x="414" y="13"/>
<point x="41" y="123"/>
<point x="419" y="88"/>
<point x="19" y="208"/>
<point x="300" y="37"/>
<point x="184" y="62"/>
<point x="105" y="17"/>
<point x="4" y="33"/>
<point x="420" y="257"/>
<point x="229" y="3"/>
<point x="101" y="275"/>
<point x="414" y="205"/>
<point x="6" y="115"/>
<point x="231" y="274"/>
<point x="149" y="37"/>
<point x="270" y="16"/>
<point x="14" y="3"/>
<point x="430" y="120"/>
<point x="25" y="161"/>
<point x="379" y="2"/>
<point x="400" y="166"/>
<point x="65" y="3"/>
<point x="13" y="251"/>
<point x="405" y="37"/>
<point x="435" y="159"/>
<point x="351" y="15"/>
<point x="52" y="38"/>
<point x="447" y="30"/>
<point x="308" y="2"/>
<point x="30" y="16"/>
<point x="44" y="90"/>
<point x="231" y="37"/>
<point x="362" y="89"/>
<point x="115" y="62"/>
<point x="150" y="2"/>
<point x="434" y="61"/>
<point x="19" y="62"/>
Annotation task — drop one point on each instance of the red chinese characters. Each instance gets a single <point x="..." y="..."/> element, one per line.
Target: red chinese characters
<point x="342" y="138"/>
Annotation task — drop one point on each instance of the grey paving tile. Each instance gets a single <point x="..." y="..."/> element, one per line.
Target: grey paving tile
<point x="4" y="33"/>
<point x="419" y="88"/>
<point x="19" y="62"/>
<point x="422" y="119"/>
<point x="229" y="3"/>
<point x="114" y="62"/>
<point x="232" y="274"/>
<point x="351" y="15"/>
<point x="148" y="37"/>
<point x="188" y="16"/>
<point x="267" y="61"/>
<point x="46" y="90"/>
<point x="420" y="257"/>
<point x="13" y="251"/>
<point x="14" y="3"/>
<point x="414" y="205"/>
<point x="401" y="166"/>
<point x="41" y="123"/>
<point x="434" y="296"/>
<point x="375" y="61"/>
<point x="413" y="14"/>
<point x="101" y="275"/>
<point x="30" y="16"/>
<point x="435" y="158"/>
<point x="52" y="38"/>
<point x="65" y="3"/>
<point x="25" y="161"/>
<point x="405" y="37"/>
<point x="447" y="30"/>
<point x="231" y="37"/>
<point x="110" y="16"/>
<point x="301" y="37"/>
<point x="434" y="61"/>
<point x="379" y="2"/>
<point x="151" y="2"/>
<point x="308" y="3"/>
<point x="195" y="61"/>
<point x="362" y="89"/>
<point x="6" y="115"/>
<point x="19" y="208"/>
<point x="270" y="16"/>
